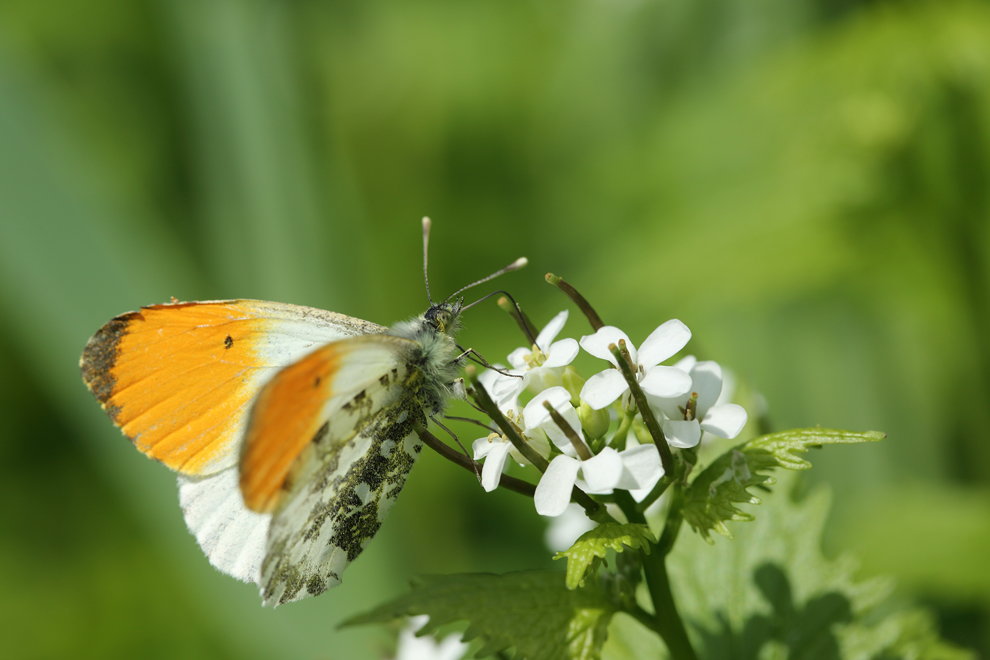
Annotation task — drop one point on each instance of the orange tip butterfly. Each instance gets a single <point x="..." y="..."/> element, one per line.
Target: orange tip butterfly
<point x="291" y="428"/>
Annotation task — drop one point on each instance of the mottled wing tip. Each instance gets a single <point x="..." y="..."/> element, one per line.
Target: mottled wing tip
<point x="100" y="356"/>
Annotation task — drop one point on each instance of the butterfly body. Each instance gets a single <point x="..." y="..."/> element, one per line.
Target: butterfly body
<point x="292" y="429"/>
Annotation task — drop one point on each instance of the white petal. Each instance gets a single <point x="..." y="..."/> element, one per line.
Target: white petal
<point x="666" y="382"/>
<point x="535" y="414"/>
<point x="543" y="378"/>
<point x="707" y="382"/>
<point x="603" y="388"/>
<point x="562" y="353"/>
<point x="535" y="438"/>
<point x="506" y="390"/>
<point x="682" y="433"/>
<point x="672" y="408"/>
<point x="686" y="363"/>
<point x="488" y="378"/>
<point x="551" y="330"/>
<point x="725" y="420"/>
<point x="482" y="446"/>
<point x="642" y="468"/>
<point x="563" y="531"/>
<point x="411" y="647"/>
<point x="517" y="358"/>
<point x="554" y="490"/>
<point x="602" y="472"/>
<point x="557" y="434"/>
<point x="598" y="343"/>
<point x="491" y="471"/>
<point x="663" y="342"/>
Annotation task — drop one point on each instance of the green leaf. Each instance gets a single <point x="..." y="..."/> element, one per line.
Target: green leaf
<point x="588" y="552"/>
<point x="531" y="611"/>
<point x="772" y="593"/>
<point x="711" y="498"/>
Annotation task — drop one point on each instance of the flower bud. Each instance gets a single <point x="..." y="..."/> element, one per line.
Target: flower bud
<point x="642" y="433"/>
<point x="573" y="382"/>
<point x="595" y="423"/>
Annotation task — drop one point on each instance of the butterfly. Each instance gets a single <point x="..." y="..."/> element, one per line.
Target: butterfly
<point x="292" y="429"/>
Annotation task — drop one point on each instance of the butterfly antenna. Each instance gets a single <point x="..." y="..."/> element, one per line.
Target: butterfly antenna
<point x="515" y="265"/>
<point x="426" y="256"/>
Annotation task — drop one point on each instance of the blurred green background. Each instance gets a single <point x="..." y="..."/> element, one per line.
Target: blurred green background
<point x="805" y="183"/>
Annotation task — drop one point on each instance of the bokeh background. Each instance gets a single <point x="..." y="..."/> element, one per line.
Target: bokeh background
<point x="805" y="183"/>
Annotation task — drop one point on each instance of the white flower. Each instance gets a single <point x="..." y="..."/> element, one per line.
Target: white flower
<point x="504" y="390"/>
<point x="666" y="382"/>
<point x="635" y="469"/>
<point x="495" y="449"/>
<point x="542" y="364"/>
<point x="724" y="420"/>
<point x="536" y="416"/>
<point x="411" y="647"/>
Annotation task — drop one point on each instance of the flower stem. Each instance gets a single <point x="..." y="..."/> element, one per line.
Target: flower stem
<point x="483" y="399"/>
<point x="668" y="622"/>
<point x="576" y="441"/>
<point x="672" y="526"/>
<point x="579" y="300"/>
<point x="513" y="310"/>
<point x="621" y="436"/>
<point x="666" y="457"/>
<point x="507" y="482"/>
<point x="655" y="494"/>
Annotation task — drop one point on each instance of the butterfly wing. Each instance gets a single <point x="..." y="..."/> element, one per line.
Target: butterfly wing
<point x="306" y="415"/>
<point x="330" y="474"/>
<point x="178" y="379"/>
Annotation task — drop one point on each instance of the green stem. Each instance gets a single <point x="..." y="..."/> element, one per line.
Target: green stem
<point x="622" y="432"/>
<point x="507" y="482"/>
<point x="520" y="318"/>
<point x="579" y="300"/>
<point x="666" y="457"/>
<point x="675" y="516"/>
<point x="484" y="400"/>
<point x="655" y="494"/>
<point x="582" y="449"/>
<point x="668" y="622"/>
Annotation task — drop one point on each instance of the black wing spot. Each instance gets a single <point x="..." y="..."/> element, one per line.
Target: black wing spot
<point x="228" y="342"/>
<point x="317" y="382"/>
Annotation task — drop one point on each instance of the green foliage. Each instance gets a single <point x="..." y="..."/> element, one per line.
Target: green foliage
<point x="711" y="498"/>
<point x="773" y="594"/>
<point x="531" y="611"/>
<point x="586" y="555"/>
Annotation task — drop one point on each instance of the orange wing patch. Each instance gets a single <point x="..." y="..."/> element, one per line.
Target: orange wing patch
<point x="284" y="421"/>
<point x="177" y="378"/>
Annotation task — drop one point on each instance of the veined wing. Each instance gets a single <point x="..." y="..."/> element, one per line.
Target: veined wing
<point x="330" y="475"/>
<point x="309" y="415"/>
<point x="178" y="379"/>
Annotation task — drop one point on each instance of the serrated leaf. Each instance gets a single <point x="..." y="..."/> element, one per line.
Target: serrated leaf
<point x="772" y="593"/>
<point x="711" y="498"/>
<point x="587" y="553"/>
<point x="531" y="611"/>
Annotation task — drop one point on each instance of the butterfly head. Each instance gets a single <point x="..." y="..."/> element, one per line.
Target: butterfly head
<point x="445" y="317"/>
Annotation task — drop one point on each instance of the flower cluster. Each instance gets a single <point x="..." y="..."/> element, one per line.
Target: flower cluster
<point x="588" y="445"/>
